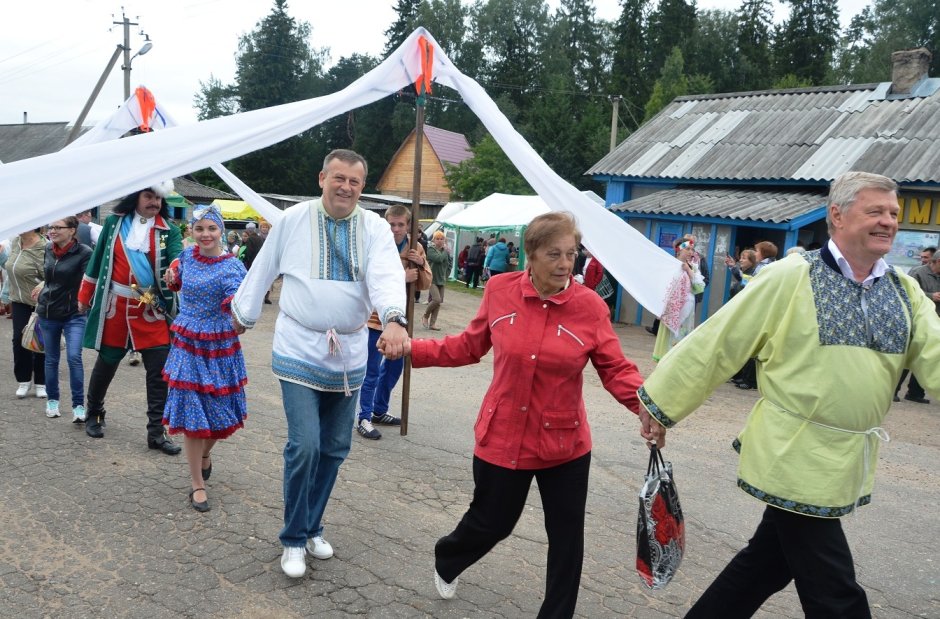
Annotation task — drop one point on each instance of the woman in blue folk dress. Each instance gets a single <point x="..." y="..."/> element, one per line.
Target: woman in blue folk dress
<point x="205" y="369"/>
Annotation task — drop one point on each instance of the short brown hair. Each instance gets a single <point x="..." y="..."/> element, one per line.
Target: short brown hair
<point x="547" y="226"/>
<point x="766" y="249"/>
<point x="398" y="210"/>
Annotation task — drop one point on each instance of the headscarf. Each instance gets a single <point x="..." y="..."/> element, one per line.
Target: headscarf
<point x="210" y="212"/>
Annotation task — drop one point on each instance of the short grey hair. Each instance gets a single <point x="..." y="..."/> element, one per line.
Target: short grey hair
<point x="845" y="188"/>
<point x="347" y="156"/>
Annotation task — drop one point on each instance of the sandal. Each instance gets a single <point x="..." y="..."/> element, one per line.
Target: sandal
<point x="425" y="323"/>
<point x="202" y="506"/>
<point x="433" y="328"/>
<point x="207" y="471"/>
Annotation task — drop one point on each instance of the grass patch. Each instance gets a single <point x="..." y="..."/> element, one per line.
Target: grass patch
<point x="458" y="286"/>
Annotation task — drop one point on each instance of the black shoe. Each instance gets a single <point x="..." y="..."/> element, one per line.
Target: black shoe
<point x="267" y="301"/>
<point x="918" y="399"/>
<point x="94" y="426"/>
<point x="207" y="471"/>
<point x="651" y="330"/>
<point x="199" y="506"/>
<point x="165" y="445"/>
<point x="896" y="398"/>
<point x="744" y="386"/>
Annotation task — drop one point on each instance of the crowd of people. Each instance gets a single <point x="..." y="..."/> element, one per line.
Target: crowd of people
<point x="182" y="298"/>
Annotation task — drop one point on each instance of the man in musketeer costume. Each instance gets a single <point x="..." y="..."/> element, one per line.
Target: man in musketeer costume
<point x="129" y="305"/>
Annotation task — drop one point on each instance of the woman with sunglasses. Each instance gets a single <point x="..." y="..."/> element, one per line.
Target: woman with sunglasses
<point x="57" y="307"/>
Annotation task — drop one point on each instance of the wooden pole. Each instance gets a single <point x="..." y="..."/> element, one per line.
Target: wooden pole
<point x="413" y="242"/>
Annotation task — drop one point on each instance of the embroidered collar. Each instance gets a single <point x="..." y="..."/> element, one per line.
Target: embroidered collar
<point x="209" y="259"/>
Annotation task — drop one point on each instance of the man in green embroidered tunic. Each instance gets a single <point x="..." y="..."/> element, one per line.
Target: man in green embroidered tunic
<point x="831" y="331"/>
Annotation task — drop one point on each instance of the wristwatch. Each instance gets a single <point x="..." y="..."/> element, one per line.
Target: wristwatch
<point x="401" y="320"/>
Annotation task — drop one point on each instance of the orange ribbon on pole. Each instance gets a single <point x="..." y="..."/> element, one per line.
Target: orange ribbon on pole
<point x="423" y="83"/>
<point x="147" y="105"/>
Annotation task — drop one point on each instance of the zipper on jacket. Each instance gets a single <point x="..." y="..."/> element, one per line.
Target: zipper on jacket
<point x="576" y="338"/>
<point x="511" y="317"/>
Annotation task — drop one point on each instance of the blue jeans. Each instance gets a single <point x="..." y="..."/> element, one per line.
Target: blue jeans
<point x="381" y="377"/>
<point x="52" y="331"/>
<point x="319" y="434"/>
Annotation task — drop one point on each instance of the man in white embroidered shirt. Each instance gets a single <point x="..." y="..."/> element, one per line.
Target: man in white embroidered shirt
<point x="338" y="262"/>
<point x="831" y="331"/>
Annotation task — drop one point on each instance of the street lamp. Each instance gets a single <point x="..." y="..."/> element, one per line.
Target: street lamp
<point x="77" y="127"/>
<point x="128" y="59"/>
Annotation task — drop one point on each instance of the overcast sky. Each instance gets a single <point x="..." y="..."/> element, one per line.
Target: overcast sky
<point x="52" y="52"/>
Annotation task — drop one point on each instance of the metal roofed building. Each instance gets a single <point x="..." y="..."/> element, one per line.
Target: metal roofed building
<point x="737" y="168"/>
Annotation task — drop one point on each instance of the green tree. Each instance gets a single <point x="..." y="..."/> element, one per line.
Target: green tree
<point x="755" y="25"/>
<point x="628" y="76"/>
<point x="673" y="82"/>
<point x="670" y="25"/>
<point x="886" y="27"/>
<point x="215" y="99"/>
<point x="404" y="24"/>
<point x="274" y="65"/>
<point x="712" y="51"/>
<point x="512" y="32"/>
<point x="808" y="39"/>
<point x="488" y="171"/>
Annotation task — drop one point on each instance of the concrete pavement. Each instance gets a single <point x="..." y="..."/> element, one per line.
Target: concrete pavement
<point x="103" y="528"/>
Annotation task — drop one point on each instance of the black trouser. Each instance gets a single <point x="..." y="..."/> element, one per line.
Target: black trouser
<point x="748" y="374"/>
<point x="103" y="373"/>
<point x="473" y="275"/>
<point x="914" y="389"/>
<point x="27" y="365"/>
<point x="787" y="546"/>
<point x="499" y="496"/>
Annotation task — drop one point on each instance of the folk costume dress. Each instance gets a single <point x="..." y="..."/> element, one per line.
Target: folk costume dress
<point x="829" y="353"/>
<point x="205" y="369"/>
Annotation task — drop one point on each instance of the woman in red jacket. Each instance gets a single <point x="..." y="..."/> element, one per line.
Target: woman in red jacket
<point x="543" y="330"/>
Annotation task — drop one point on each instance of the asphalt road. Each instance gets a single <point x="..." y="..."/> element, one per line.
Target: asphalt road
<point x="103" y="528"/>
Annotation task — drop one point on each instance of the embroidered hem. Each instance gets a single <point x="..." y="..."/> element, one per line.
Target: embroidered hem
<point x="205" y="434"/>
<point x="317" y="378"/>
<point x="654" y="410"/>
<point x="801" y="508"/>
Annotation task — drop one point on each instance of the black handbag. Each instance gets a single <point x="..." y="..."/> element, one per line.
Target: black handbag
<point x="660" y="527"/>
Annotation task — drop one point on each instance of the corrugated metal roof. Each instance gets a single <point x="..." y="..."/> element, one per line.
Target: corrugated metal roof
<point x="810" y="134"/>
<point x="27" y="140"/>
<point x="740" y="204"/>
<point x="450" y="147"/>
<point x="197" y="192"/>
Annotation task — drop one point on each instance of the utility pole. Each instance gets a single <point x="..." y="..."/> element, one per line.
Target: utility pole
<point x="126" y="67"/>
<point x="615" y="99"/>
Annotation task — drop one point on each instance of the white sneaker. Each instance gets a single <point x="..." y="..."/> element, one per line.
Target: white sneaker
<point x="52" y="409"/>
<point x="133" y="358"/>
<point x="41" y="391"/>
<point x="293" y="561"/>
<point x="78" y="414"/>
<point x="319" y="548"/>
<point x="23" y="389"/>
<point x="446" y="590"/>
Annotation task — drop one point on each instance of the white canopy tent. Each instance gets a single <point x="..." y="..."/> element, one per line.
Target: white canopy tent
<point x="68" y="181"/>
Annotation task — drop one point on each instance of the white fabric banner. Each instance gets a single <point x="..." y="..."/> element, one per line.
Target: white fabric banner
<point x="39" y="190"/>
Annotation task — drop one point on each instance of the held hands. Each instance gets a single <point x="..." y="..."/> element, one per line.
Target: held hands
<point x="169" y="277"/>
<point x="651" y="430"/>
<point x="238" y="327"/>
<point x="394" y="342"/>
<point x="82" y="308"/>
<point x="34" y="293"/>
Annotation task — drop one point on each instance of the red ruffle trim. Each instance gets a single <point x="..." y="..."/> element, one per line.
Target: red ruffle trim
<point x="207" y="389"/>
<point x="205" y="434"/>
<point x="203" y="337"/>
<point x="210" y="354"/>
<point x="227" y="304"/>
<point x="210" y="259"/>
